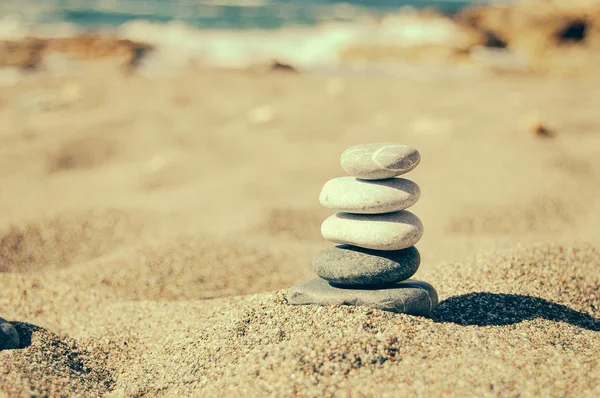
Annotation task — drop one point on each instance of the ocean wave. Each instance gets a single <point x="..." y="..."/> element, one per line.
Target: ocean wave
<point x="303" y="47"/>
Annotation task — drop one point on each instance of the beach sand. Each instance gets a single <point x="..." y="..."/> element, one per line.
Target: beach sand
<point x="151" y="227"/>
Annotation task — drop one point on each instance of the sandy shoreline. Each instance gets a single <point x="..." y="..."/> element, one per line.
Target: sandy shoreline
<point x="150" y="228"/>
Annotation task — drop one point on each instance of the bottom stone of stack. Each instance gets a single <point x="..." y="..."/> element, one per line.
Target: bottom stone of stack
<point x="9" y="338"/>
<point x="409" y="297"/>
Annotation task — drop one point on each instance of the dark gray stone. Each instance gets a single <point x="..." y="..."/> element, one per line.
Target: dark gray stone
<point x="9" y="338"/>
<point x="409" y="297"/>
<point x="347" y="265"/>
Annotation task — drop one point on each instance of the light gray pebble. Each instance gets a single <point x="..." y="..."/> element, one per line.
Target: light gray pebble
<point x="390" y="231"/>
<point x="353" y="195"/>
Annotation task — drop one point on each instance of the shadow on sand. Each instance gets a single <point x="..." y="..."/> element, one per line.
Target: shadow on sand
<point x="493" y="309"/>
<point x="25" y="331"/>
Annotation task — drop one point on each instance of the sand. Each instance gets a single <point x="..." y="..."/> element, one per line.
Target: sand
<point x="151" y="227"/>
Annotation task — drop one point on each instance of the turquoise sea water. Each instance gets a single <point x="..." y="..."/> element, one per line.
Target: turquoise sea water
<point x="213" y="14"/>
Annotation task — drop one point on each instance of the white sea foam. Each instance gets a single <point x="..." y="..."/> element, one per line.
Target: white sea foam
<point x="303" y="47"/>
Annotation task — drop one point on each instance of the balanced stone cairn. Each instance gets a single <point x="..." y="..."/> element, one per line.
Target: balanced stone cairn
<point x="376" y="256"/>
<point x="9" y="338"/>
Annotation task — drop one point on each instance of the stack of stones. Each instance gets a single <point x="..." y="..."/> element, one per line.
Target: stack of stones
<point x="9" y="338"/>
<point x="376" y="256"/>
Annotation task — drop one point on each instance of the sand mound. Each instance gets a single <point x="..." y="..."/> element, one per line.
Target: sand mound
<point x="508" y="323"/>
<point x="64" y="239"/>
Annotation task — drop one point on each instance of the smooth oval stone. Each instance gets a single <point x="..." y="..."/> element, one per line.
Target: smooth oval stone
<point x="347" y="265"/>
<point x="350" y="194"/>
<point x="379" y="160"/>
<point x="390" y="231"/>
<point x="9" y="338"/>
<point x="409" y="297"/>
